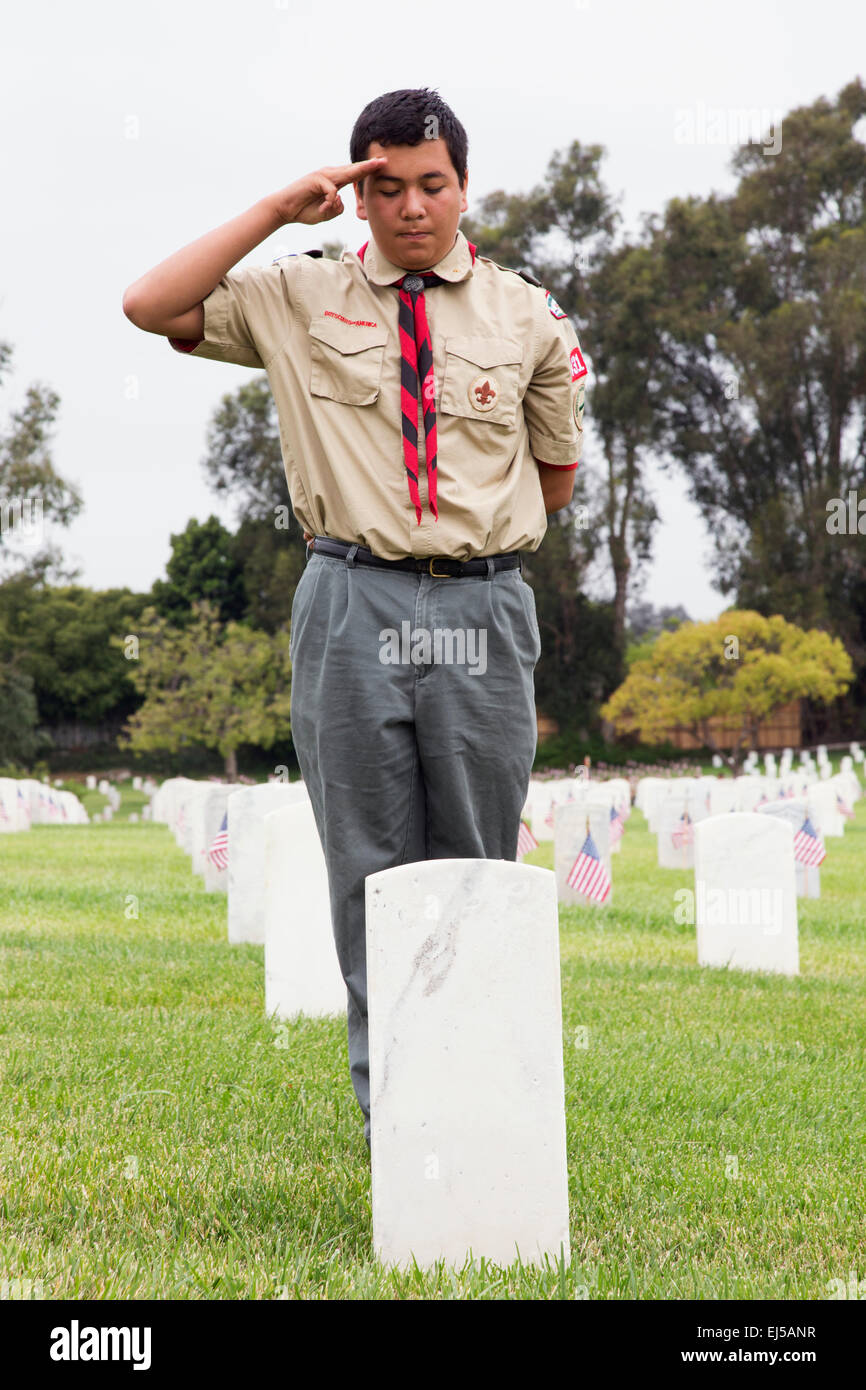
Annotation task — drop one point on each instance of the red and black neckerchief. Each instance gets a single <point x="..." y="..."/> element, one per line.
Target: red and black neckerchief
<point x="416" y="372"/>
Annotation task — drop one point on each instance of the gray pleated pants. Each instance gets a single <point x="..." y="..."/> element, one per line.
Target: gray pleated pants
<point x="413" y="720"/>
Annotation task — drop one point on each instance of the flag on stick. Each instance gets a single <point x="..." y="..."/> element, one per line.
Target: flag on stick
<point x="808" y="845"/>
<point x="525" y="840"/>
<point x="588" y="874"/>
<point x="684" y="833"/>
<point x="218" y="853"/>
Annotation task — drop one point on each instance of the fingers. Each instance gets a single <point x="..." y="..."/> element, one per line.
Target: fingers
<point x="331" y="205"/>
<point x="350" y="173"/>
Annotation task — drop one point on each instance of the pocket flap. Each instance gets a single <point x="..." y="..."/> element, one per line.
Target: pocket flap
<point x="347" y="337"/>
<point x="485" y="352"/>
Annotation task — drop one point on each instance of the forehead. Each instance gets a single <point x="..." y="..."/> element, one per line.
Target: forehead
<point x="412" y="161"/>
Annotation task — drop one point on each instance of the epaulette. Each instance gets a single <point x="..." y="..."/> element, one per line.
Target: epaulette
<point x="524" y="274"/>
<point x="286" y="255"/>
<point x="556" y="310"/>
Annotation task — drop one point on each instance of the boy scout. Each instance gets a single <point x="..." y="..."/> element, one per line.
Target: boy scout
<point x="430" y="407"/>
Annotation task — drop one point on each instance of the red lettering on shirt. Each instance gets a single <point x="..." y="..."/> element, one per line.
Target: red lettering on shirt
<point x="356" y="323"/>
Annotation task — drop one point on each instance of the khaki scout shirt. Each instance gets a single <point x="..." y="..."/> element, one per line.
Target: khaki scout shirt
<point x="326" y="334"/>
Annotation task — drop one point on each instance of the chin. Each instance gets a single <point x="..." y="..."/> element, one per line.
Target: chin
<point x="424" y="252"/>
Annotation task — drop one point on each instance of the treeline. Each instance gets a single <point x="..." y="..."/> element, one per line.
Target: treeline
<point x="727" y="342"/>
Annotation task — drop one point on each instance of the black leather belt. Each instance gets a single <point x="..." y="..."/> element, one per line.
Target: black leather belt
<point x="440" y="566"/>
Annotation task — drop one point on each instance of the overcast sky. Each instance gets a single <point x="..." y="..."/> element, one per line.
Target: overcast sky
<point x="129" y="130"/>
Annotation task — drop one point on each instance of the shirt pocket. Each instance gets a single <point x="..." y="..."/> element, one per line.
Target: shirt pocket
<point x="346" y="361"/>
<point x="482" y="379"/>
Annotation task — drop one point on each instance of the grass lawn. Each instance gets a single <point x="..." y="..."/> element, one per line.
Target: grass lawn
<point x="159" y="1138"/>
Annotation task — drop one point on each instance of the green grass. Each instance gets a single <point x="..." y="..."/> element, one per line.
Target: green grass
<point x="159" y="1138"/>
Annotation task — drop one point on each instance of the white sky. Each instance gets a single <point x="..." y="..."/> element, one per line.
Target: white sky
<point x="235" y="100"/>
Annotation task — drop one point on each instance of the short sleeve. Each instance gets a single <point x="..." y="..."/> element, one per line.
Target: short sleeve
<point x="553" y="403"/>
<point x="247" y="317"/>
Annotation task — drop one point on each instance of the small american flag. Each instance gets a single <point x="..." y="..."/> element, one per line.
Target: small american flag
<point x="3" y="813"/>
<point x="548" y="819"/>
<point x="808" y="845"/>
<point x="684" y="832"/>
<point x="844" y="808"/>
<point x="24" y="802"/>
<point x="219" y="850"/>
<point x="588" y="874"/>
<point x="616" y="826"/>
<point x="525" y="840"/>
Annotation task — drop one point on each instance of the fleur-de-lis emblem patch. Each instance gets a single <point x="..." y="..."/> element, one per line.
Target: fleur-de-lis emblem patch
<point x="484" y="392"/>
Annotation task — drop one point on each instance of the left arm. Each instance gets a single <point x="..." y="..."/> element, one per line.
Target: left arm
<point x="553" y="404"/>
<point x="557" y="485"/>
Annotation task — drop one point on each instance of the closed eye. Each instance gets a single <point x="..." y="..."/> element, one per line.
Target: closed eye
<point x="426" y="190"/>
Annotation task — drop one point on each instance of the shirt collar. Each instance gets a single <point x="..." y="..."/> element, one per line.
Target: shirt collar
<point x="455" y="265"/>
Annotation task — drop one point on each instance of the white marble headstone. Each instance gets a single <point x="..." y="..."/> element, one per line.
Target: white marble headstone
<point x="216" y="880"/>
<point x="247" y="808"/>
<point x="302" y="974"/>
<point x="466" y="1068"/>
<point x="794" y="810"/>
<point x="11" y="820"/>
<point x="569" y="838"/>
<point x="745" y="892"/>
<point x="824" y="808"/>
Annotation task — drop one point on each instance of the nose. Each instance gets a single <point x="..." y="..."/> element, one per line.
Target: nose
<point x="413" y="204"/>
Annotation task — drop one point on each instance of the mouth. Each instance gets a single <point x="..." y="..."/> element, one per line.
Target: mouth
<point x="414" y="236"/>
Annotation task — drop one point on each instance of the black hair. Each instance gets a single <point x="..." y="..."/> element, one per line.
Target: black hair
<point x="406" y="118"/>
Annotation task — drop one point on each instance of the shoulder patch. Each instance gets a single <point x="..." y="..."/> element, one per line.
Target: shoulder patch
<point x="578" y="366"/>
<point x="558" y="313"/>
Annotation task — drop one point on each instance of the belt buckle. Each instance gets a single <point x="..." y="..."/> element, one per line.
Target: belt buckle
<point x="436" y="574"/>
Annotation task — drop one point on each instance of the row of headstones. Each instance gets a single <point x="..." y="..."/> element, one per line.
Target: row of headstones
<point x="26" y="801"/>
<point x="544" y="797"/>
<point x="821" y="806"/>
<point x="467" y="1090"/>
<point x="822" y="760"/>
<point x="269" y="862"/>
<point x="108" y="789"/>
<point x="746" y="883"/>
<point x="716" y="796"/>
<point x="139" y="784"/>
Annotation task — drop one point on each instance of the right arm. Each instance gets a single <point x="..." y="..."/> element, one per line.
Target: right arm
<point x="168" y="299"/>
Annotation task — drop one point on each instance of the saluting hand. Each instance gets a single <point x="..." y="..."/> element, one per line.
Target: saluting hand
<point x="316" y="197"/>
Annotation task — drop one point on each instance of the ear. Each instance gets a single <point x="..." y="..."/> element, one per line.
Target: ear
<point x="463" y="203"/>
<point x="360" y="207"/>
